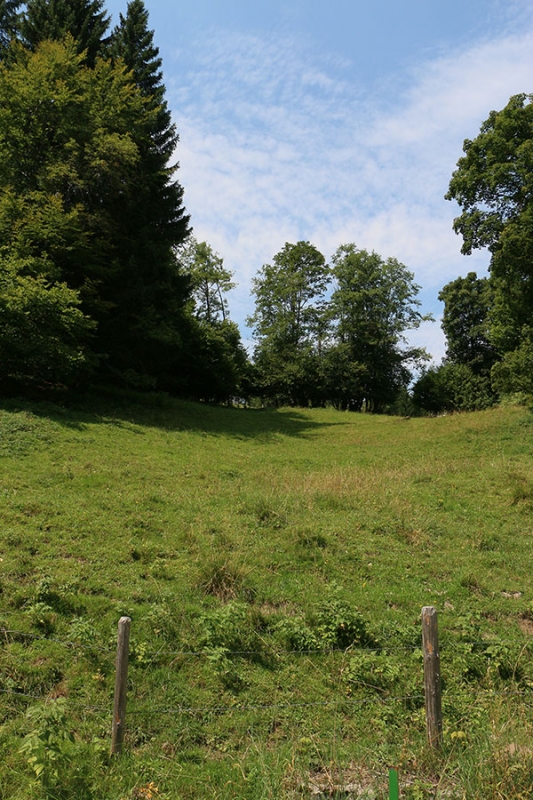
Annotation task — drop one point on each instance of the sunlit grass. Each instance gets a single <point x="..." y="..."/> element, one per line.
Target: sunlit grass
<point x="221" y="530"/>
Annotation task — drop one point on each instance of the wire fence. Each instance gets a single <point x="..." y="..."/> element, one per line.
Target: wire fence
<point x="247" y="707"/>
<point x="151" y="658"/>
<point x="319" y="651"/>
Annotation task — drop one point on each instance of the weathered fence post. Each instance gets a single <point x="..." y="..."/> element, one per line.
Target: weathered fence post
<point x="121" y="682"/>
<point x="430" y="646"/>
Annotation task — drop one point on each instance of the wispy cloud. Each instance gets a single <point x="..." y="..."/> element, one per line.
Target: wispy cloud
<point x="280" y="144"/>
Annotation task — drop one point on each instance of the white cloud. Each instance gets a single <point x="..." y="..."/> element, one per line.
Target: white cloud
<point x="277" y="145"/>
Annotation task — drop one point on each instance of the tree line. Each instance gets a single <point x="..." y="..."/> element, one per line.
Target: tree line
<point x="101" y="281"/>
<point x="92" y="218"/>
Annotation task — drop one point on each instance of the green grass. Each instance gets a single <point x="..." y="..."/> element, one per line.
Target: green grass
<point x="274" y="565"/>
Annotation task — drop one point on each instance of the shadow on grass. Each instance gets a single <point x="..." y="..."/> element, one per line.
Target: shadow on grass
<point x="127" y="409"/>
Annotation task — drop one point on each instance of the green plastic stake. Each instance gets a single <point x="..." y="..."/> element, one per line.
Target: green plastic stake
<point x="394" y="789"/>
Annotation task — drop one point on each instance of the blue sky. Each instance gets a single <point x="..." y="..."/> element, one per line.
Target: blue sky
<point x="335" y="121"/>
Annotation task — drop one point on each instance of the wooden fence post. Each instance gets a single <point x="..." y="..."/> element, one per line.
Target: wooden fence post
<point x="430" y="646"/>
<point x="121" y="683"/>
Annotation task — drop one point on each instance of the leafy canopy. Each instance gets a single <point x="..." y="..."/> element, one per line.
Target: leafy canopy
<point x="493" y="185"/>
<point x="467" y="302"/>
<point x="373" y="304"/>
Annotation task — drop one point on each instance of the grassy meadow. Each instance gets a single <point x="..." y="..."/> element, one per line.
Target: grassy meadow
<point x="274" y="564"/>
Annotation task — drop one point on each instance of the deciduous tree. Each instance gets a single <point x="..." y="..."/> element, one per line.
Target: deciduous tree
<point x="288" y="321"/>
<point x="465" y="322"/>
<point x="493" y="185"/>
<point x="70" y="149"/>
<point x="373" y="304"/>
<point x="210" y="281"/>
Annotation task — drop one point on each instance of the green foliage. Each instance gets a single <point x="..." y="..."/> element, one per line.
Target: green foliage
<point x="335" y="625"/>
<point x="216" y="362"/>
<point x="339" y="625"/>
<point x="465" y="323"/>
<point x="48" y="748"/>
<point x="374" y="302"/>
<point x="514" y="373"/>
<point x="288" y="321"/>
<point x="376" y="671"/>
<point x="44" y="336"/>
<point x="219" y="364"/>
<point x="346" y="350"/>
<point x="150" y="334"/>
<point x="88" y="205"/>
<point x="227" y="627"/>
<point x="84" y="20"/>
<point x="9" y="22"/>
<point x="68" y="151"/>
<point x="210" y="281"/>
<point x="298" y="635"/>
<point x="492" y="184"/>
<point x="60" y="763"/>
<point x="227" y="634"/>
<point x="453" y="387"/>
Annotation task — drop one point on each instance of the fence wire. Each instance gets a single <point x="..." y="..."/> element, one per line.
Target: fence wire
<point x="234" y="707"/>
<point x="202" y="652"/>
<point x="247" y="707"/>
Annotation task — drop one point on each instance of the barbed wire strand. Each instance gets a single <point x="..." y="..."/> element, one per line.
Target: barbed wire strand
<point x="443" y="646"/>
<point x="73" y="703"/>
<point x="64" y="642"/>
<point x="246" y="707"/>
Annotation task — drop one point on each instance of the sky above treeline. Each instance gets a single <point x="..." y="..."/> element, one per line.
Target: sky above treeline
<point x="335" y="121"/>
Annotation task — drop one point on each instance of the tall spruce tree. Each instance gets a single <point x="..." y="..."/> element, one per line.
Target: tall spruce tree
<point x="85" y="20"/>
<point x="151" y="290"/>
<point x="133" y="42"/>
<point x="9" y="20"/>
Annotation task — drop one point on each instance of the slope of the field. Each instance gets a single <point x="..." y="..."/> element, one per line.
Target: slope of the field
<point x="274" y="565"/>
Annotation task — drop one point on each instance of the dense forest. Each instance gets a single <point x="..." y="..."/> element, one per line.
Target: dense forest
<point x="102" y="282"/>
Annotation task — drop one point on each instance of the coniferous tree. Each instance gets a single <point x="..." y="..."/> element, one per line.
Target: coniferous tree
<point x="9" y="20"/>
<point x="152" y="291"/>
<point x="133" y="42"/>
<point x="85" y="20"/>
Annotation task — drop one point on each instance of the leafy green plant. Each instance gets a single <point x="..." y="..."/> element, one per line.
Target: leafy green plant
<point x="61" y="764"/>
<point x="49" y="747"/>
<point x="376" y="671"/>
<point x="226" y="634"/>
<point x="42" y="616"/>
<point x="297" y="635"/>
<point x="339" y="625"/>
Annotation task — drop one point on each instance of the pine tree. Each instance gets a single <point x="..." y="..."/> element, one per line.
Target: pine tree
<point x="85" y="20"/>
<point x="9" y="20"/>
<point x="152" y="291"/>
<point x="133" y="42"/>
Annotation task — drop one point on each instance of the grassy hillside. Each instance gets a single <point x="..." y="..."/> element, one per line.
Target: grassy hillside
<point x="274" y="565"/>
